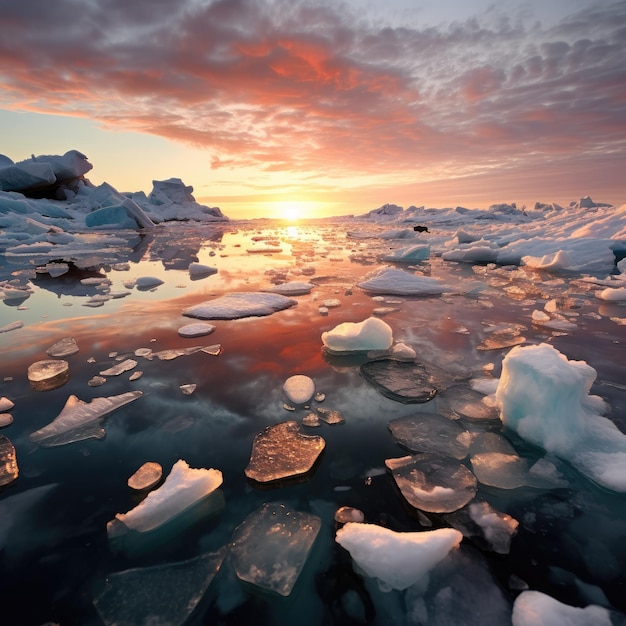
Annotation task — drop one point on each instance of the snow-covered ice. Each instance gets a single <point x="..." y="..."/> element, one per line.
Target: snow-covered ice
<point x="299" y="388"/>
<point x="370" y="334"/>
<point x="390" y="281"/>
<point x="242" y="304"/>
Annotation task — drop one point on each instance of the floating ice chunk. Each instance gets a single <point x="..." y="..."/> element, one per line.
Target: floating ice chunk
<point x="429" y="432"/>
<point x="96" y="381"/>
<point x="198" y="270"/>
<point x="312" y="420"/>
<point x="65" y="347"/>
<point x="409" y="254"/>
<point x="120" y="368"/>
<point x="329" y="416"/>
<point x="391" y="281"/>
<point x="196" y="330"/>
<point x="81" y="420"/>
<point x="398" y="559"/>
<point x="533" y="608"/>
<point x="8" y="462"/>
<point x="57" y="269"/>
<point x="188" y="389"/>
<point x="11" y="326"/>
<point x="399" y="380"/>
<point x="5" y="404"/>
<point x="281" y="451"/>
<point x="146" y="477"/>
<point x="544" y="397"/>
<point x="433" y="483"/>
<point x="370" y="334"/>
<point x="263" y="248"/>
<point x="160" y="594"/>
<point x="183" y="488"/>
<point x="271" y="546"/>
<point x="331" y="303"/>
<point x="243" y="304"/>
<point x="144" y="283"/>
<point x="613" y="294"/>
<point x="294" y="288"/>
<point x="346" y="514"/>
<point x="48" y="374"/>
<point x="5" y="419"/>
<point x="299" y="389"/>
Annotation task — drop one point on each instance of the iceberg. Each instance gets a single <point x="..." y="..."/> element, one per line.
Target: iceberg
<point x="242" y="304"/>
<point x="81" y="420"/>
<point x="544" y="397"/>
<point x="370" y="334"/>
<point x="397" y="559"/>
<point x="183" y="487"/>
<point x="270" y="547"/>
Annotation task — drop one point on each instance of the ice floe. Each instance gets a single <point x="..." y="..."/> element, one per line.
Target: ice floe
<point x="390" y="281"/>
<point x="242" y="304"/>
<point x="196" y="330"/>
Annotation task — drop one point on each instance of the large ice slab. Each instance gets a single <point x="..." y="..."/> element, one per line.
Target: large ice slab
<point x="544" y="397"/>
<point x="398" y="559"/>
<point x="160" y="594"/>
<point x="183" y="487"/>
<point x="270" y="548"/>
<point x="432" y="482"/>
<point x="80" y="420"/>
<point x="370" y="334"/>
<point x="404" y="382"/>
<point x="281" y="451"/>
<point x="237" y="305"/>
<point x="391" y="281"/>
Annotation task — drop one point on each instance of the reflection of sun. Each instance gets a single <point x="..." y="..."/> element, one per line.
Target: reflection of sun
<point x="293" y="210"/>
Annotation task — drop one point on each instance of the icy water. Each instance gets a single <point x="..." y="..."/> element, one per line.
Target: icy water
<point x="56" y="555"/>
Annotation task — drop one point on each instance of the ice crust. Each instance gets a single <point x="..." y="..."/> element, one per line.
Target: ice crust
<point x="544" y="397"/>
<point x="370" y="334"/>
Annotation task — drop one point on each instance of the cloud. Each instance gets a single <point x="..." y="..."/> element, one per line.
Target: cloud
<point x="317" y="89"/>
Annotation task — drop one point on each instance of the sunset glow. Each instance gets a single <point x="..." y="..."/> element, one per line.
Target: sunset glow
<point x="340" y="107"/>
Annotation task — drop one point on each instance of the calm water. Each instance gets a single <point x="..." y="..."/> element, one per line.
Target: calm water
<point x="571" y="541"/>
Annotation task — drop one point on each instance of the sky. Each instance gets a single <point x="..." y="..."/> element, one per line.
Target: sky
<point x="273" y="108"/>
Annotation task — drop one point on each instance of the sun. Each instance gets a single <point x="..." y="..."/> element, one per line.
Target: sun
<point x="294" y="210"/>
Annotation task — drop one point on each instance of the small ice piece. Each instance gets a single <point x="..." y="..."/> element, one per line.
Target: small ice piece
<point x="294" y="288"/>
<point x="195" y="330"/>
<point x="238" y="305"/>
<point x="397" y="559"/>
<point x="404" y="382"/>
<point x="143" y="352"/>
<point x="311" y="420"/>
<point x="96" y="381"/>
<point x="320" y="397"/>
<point x="544" y="397"/>
<point x="612" y="294"/>
<point x="331" y="303"/>
<point x="463" y="401"/>
<point x="120" y="368"/>
<point x="299" y="389"/>
<point x="198" y="270"/>
<point x="281" y="451"/>
<point x="370" y="334"/>
<point x="390" y="281"/>
<point x="81" y="420"/>
<point x="184" y="487"/>
<point x="8" y="462"/>
<point x="271" y="546"/>
<point x="48" y="374"/>
<point x="159" y="594"/>
<point x="146" y="477"/>
<point x="498" y="528"/>
<point x="533" y="608"/>
<point x="11" y="326"/>
<point x="433" y="483"/>
<point x="346" y="514"/>
<point x="188" y="389"/>
<point x="5" y="404"/>
<point x="62" y="348"/>
<point x="136" y="375"/>
<point x="6" y="419"/>
<point x="145" y="283"/>
<point x="330" y="416"/>
<point x="429" y="432"/>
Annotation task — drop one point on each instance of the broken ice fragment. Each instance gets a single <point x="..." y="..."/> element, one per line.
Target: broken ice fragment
<point x="196" y="330"/>
<point x="463" y="401"/>
<point x="496" y="469"/>
<point x="8" y="462"/>
<point x="5" y="419"/>
<point x="237" y="305"/>
<point x="429" y="432"/>
<point x="433" y="483"/>
<point x="346" y="514"/>
<point x="397" y="559"/>
<point x="370" y="334"/>
<point x="400" y="381"/>
<point x="270" y="547"/>
<point x="96" y="381"/>
<point x="311" y="420"/>
<point x="81" y="420"/>
<point x="282" y="451"/>
<point x="188" y="389"/>
<point x="135" y="376"/>
<point x="5" y="404"/>
<point x="299" y="389"/>
<point x="160" y="594"/>
<point x="120" y="368"/>
<point x="183" y="488"/>
<point x="48" y="374"/>
<point x="198" y="270"/>
<point x="330" y="416"/>
<point x="291" y="289"/>
<point x="65" y="347"/>
<point x="146" y="477"/>
<point x="11" y="326"/>
<point x="144" y="283"/>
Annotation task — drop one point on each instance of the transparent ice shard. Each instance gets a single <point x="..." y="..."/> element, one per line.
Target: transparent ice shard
<point x="8" y="462"/>
<point x="271" y="546"/>
<point x="429" y="432"/>
<point x="433" y="483"/>
<point x="81" y="420"/>
<point x="282" y="451"/>
<point x="408" y="383"/>
<point x="158" y="595"/>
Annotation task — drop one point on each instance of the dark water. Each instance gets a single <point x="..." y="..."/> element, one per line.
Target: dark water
<point x="571" y="542"/>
